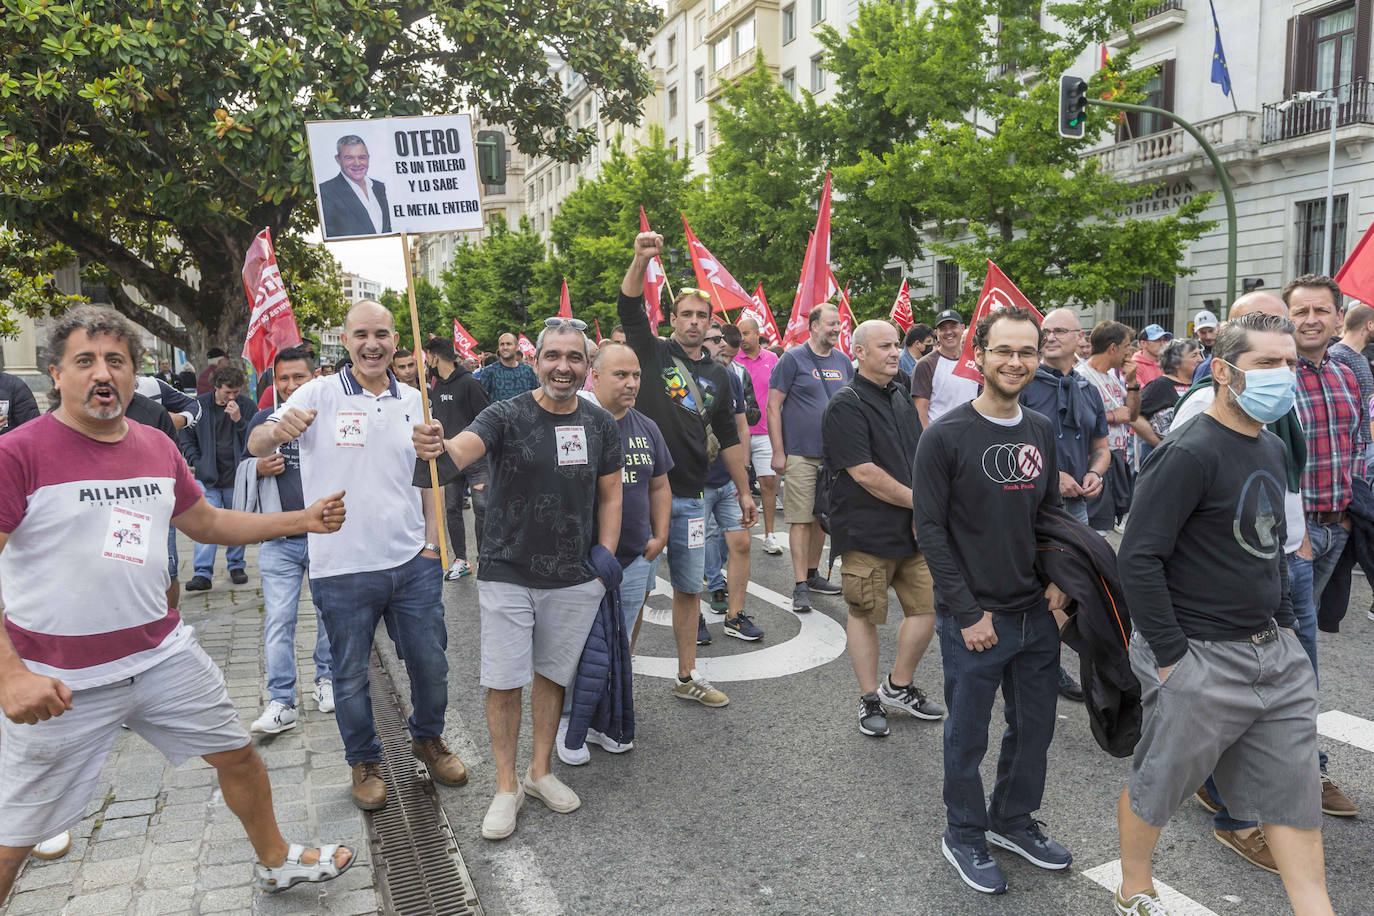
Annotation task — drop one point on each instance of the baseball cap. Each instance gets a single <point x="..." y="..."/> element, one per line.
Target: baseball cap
<point x="1204" y="319"/>
<point x="948" y="315"/>
<point x="1155" y="332"/>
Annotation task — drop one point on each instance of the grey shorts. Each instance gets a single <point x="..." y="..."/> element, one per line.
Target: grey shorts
<point x="1244" y="713"/>
<point x="527" y="631"/>
<point x="49" y="771"/>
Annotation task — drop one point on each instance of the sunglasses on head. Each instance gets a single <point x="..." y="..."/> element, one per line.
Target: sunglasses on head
<point x="555" y="322"/>
<point x="693" y="291"/>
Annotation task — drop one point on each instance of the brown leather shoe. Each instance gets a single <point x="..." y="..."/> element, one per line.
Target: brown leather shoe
<point x="369" y="789"/>
<point x="1334" y="801"/>
<point x="443" y="764"/>
<point x="1205" y="800"/>
<point x="1253" y="848"/>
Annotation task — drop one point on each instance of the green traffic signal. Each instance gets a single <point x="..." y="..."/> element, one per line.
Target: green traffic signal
<point x="1073" y="102"/>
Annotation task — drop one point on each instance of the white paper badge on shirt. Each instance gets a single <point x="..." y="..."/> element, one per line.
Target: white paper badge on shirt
<point x="350" y="428"/>
<point x="127" y="536"/>
<point x="572" y="444"/>
<point x="696" y="533"/>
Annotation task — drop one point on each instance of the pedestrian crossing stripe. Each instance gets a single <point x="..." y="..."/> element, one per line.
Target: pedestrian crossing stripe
<point x="1108" y="875"/>
<point x="1341" y="726"/>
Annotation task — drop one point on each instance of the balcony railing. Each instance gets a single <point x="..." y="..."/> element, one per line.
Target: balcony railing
<point x="1149" y="150"/>
<point x="1156" y="10"/>
<point x="1354" y="105"/>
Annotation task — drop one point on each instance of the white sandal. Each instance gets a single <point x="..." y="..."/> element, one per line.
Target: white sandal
<point x="293" y="871"/>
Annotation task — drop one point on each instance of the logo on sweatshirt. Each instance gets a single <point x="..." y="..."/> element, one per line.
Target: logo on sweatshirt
<point x="1258" y="513"/>
<point x="1013" y="463"/>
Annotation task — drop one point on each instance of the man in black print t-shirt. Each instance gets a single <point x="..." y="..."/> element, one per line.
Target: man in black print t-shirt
<point x="981" y="475"/>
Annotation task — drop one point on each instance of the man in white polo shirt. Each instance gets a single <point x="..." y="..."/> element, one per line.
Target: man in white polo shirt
<point x="355" y="426"/>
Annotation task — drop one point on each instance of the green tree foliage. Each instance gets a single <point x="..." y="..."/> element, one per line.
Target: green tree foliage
<point x="429" y="306"/>
<point x="485" y="282"/>
<point x="153" y="139"/>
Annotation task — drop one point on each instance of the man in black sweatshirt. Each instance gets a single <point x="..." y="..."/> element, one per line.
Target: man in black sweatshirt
<point x="981" y="475"/>
<point x="688" y="395"/>
<point x="1226" y="686"/>
<point x="455" y="401"/>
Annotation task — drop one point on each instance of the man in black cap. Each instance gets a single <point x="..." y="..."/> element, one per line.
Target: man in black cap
<point x="935" y="389"/>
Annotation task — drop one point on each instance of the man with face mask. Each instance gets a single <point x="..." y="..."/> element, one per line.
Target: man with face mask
<point x="1220" y="636"/>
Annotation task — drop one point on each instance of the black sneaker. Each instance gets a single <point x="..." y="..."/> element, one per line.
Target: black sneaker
<point x="872" y="718"/>
<point x="238" y="577"/>
<point x="801" y="598"/>
<point x="742" y="627"/>
<point x="1030" y="843"/>
<point x="198" y="584"/>
<point x="703" y="634"/>
<point x="910" y="699"/>
<point x="975" y="865"/>
<point x="823" y="586"/>
<point x="719" y="601"/>
<point x="1068" y="687"/>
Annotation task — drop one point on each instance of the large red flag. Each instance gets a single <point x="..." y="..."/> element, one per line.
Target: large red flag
<point x="564" y="303"/>
<point x="763" y="316"/>
<point x="998" y="293"/>
<point x="1356" y="276"/>
<point x="713" y="279"/>
<point x="271" y="324"/>
<point x="816" y="285"/>
<point x="654" y="281"/>
<point x="526" y="348"/>
<point x="901" y="309"/>
<point x="463" y="342"/>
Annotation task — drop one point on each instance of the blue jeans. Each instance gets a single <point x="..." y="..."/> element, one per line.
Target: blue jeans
<point x="284" y="564"/>
<point x="204" y="557"/>
<point x="686" y="564"/>
<point x="1024" y="665"/>
<point x="173" y="561"/>
<point x="410" y="596"/>
<point x="637" y="580"/>
<point x="1077" y="506"/>
<point x="1328" y="542"/>
<point x="722" y="514"/>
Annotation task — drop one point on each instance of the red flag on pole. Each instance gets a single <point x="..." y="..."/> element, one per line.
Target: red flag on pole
<point x="1356" y="276"/>
<point x="271" y="323"/>
<point x="901" y="309"/>
<point x="816" y="285"/>
<point x="599" y="338"/>
<point x="564" y="303"/>
<point x="763" y="316"/>
<point x="463" y="342"/>
<point x="654" y="281"/>
<point x="713" y="279"/>
<point x="526" y="348"/>
<point x="845" y="345"/>
<point x="998" y="293"/>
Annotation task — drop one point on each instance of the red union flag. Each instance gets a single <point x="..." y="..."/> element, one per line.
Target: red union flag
<point x="463" y="342"/>
<point x="564" y="303"/>
<point x="846" y="345"/>
<point x="655" y="278"/>
<point x="713" y="279"/>
<point x="271" y="324"/>
<point x="526" y="348"/>
<point x="998" y="293"/>
<point x="1356" y="276"/>
<point x="817" y="284"/>
<point x="763" y="317"/>
<point x="901" y="309"/>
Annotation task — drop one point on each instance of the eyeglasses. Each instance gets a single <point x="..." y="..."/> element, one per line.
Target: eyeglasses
<point x="556" y="322"/>
<point x="1006" y="353"/>
<point x="716" y="339"/>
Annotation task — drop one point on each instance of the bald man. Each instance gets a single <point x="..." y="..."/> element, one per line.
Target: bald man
<point x="509" y="376"/>
<point x="354" y="430"/>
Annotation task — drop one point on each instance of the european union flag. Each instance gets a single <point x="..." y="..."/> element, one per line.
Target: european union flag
<point x="1220" y="75"/>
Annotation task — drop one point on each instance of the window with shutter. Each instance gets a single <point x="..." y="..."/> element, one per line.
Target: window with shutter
<point x="1159" y="93"/>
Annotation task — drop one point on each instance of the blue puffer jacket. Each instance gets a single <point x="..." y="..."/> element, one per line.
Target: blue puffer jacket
<point x="603" y="691"/>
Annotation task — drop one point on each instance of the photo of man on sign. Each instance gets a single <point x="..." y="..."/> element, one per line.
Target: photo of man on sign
<point x="352" y="203"/>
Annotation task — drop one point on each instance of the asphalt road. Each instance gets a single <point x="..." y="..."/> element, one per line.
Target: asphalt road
<point x="777" y="804"/>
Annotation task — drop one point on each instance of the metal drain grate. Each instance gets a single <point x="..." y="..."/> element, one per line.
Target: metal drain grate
<point x="416" y="859"/>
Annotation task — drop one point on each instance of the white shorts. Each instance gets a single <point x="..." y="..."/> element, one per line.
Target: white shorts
<point x="761" y="453"/>
<point x="48" y="771"/>
<point x="528" y="631"/>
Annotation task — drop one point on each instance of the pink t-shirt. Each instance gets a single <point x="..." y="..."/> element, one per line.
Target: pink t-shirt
<point x="1147" y="370"/>
<point x="85" y="568"/>
<point x="759" y="369"/>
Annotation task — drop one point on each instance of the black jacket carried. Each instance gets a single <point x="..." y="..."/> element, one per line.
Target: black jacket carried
<point x="20" y="406"/>
<point x="198" y="443"/>
<point x="1083" y="565"/>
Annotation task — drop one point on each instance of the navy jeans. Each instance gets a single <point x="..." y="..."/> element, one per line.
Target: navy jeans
<point x="1024" y="665"/>
<point x="410" y="598"/>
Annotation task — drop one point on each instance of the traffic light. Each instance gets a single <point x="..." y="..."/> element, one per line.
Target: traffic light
<point x="1073" y="102"/>
<point x="491" y="156"/>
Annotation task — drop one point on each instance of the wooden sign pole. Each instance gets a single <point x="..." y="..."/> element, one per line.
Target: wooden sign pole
<point x="424" y="405"/>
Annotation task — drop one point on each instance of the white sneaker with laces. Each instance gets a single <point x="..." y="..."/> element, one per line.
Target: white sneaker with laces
<point x="457" y="570"/>
<point x="572" y="757"/>
<point x="771" y="545"/>
<point x="609" y="745"/>
<point x="1139" y="905"/>
<point x="276" y="718"/>
<point x="324" y="695"/>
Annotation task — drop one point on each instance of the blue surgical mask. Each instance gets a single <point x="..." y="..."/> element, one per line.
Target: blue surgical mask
<point x="1268" y="394"/>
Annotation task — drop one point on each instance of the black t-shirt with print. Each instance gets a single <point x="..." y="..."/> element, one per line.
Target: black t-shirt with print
<point x="541" y="509"/>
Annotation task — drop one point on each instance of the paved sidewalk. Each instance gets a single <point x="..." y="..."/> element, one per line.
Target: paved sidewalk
<point x="158" y="839"/>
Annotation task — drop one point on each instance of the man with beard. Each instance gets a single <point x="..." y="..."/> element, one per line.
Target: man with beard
<point x="386" y="562"/>
<point x="555" y="464"/>
<point x="992" y="459"/>
<point x="509" y="376"/>
<point x="404" y="367"/>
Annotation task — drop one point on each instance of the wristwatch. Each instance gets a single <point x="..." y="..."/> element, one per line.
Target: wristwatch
<point x="433" y="547"/>
<point x="1132" y="387"/>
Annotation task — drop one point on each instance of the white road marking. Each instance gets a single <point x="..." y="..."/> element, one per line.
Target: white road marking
<point x="1342" y="726"/>
<point x="1109" y="876"/>
<point x="820" y="640"/>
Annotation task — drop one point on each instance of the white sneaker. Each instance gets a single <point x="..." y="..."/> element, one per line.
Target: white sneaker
<point x="572" y="757"/>
<point x="771" y="545"/>
<point x="276" y="718"/>
<point x="609" y="745"/>
<point x="54" y="848"/>
<point x="458" y="570"/>
<point x="324" y="695"/>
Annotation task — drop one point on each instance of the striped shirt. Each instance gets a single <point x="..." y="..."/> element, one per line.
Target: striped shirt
<point x="1329" y="408"/>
